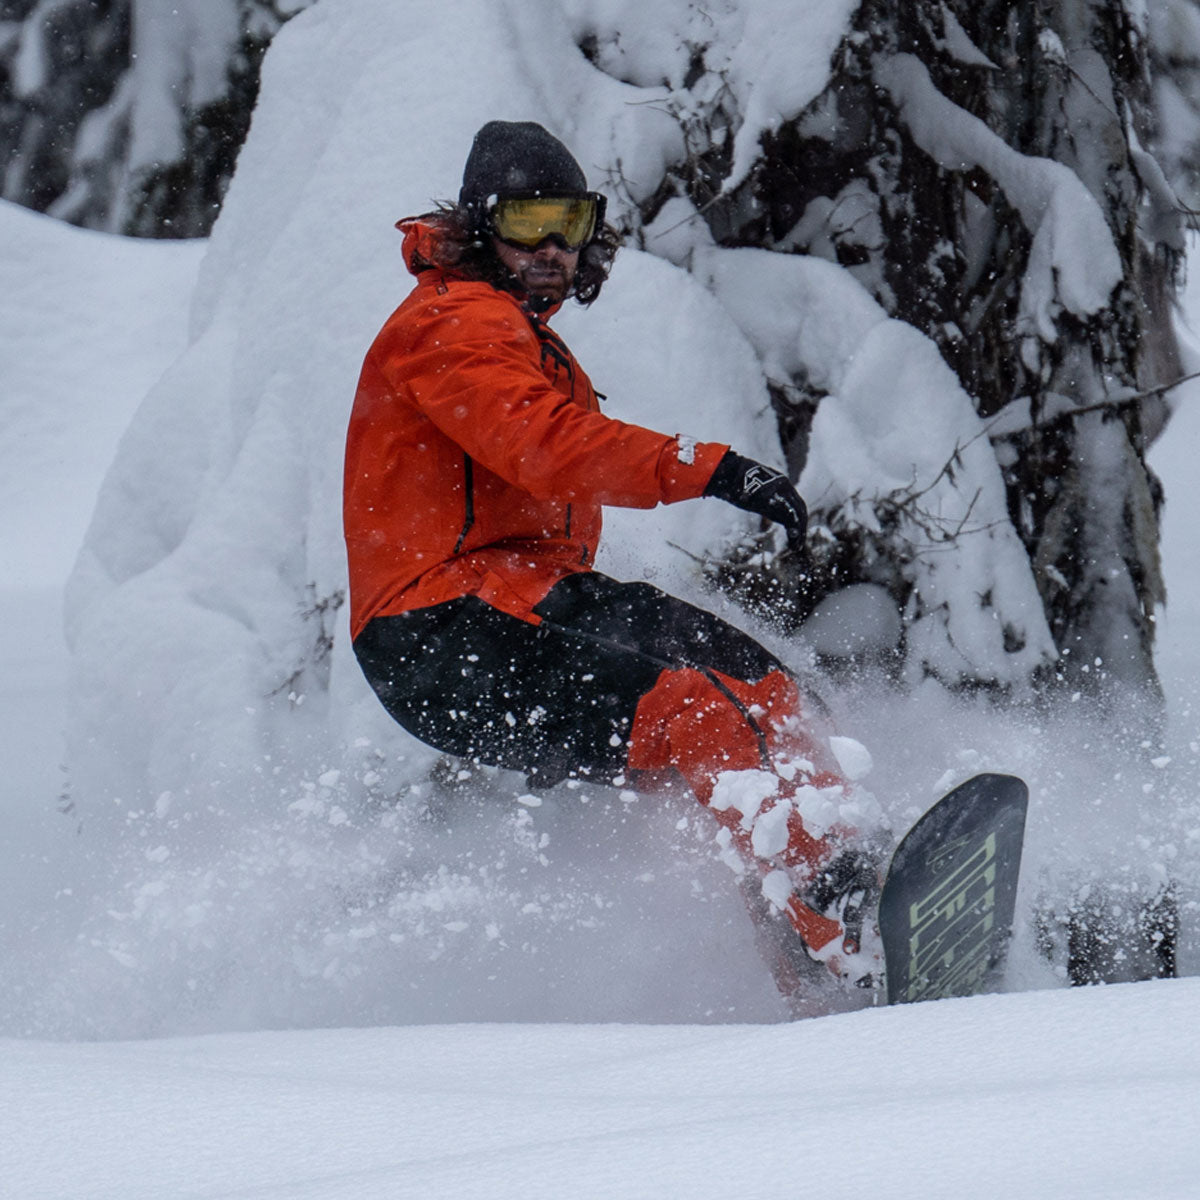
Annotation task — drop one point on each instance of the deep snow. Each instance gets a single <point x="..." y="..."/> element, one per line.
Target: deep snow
<point x="1042" y="1095"/>
<point x="90" y="322"/>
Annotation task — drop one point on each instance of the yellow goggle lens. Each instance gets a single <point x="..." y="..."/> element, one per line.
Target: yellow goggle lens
<point x="528" y="221"/>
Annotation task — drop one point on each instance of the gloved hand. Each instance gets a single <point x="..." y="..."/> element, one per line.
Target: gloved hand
<point x="760" y="489"/>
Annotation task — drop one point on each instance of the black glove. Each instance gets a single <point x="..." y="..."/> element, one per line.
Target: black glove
<point x="760" y="489"/>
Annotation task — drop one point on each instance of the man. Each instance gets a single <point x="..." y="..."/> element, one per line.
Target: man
<point x="477" y="463"/>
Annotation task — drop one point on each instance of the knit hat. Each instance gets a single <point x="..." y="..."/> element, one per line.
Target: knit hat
<point x="518" y="156"/>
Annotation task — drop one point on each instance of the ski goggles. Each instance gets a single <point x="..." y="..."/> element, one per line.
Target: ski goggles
<point x="527" y="220"/>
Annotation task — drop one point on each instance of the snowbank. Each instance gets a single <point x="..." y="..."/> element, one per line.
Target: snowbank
<point x="90" y="322"/>
<point x="1046" y="1096"/>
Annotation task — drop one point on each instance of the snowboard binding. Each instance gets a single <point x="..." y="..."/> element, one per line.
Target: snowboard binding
<point x="834" y="915"/>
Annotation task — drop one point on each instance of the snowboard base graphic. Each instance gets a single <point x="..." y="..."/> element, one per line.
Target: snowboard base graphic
<point x="947" y="902"/>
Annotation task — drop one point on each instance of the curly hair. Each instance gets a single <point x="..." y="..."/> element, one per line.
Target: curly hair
<point x="469" y="253"/>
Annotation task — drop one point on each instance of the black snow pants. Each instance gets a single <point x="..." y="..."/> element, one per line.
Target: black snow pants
<point x="553" y="700"/>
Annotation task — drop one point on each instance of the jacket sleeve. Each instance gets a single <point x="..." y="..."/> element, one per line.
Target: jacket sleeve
<point x="473" y="368"/>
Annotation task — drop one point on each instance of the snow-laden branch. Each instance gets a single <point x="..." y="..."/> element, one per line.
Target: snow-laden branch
<point x="1017" y="416"/>
<point x="1073" y="261"/>
<point x="897" y="436"/>
<point x="764" y="62"/>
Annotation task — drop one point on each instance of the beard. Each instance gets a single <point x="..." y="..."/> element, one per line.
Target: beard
<point x="546" y="281"/>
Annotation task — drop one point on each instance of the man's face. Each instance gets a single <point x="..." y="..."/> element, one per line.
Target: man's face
<point x="546" y="271"/>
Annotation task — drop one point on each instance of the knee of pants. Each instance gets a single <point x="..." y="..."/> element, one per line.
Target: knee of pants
<point x="702" y="722"/>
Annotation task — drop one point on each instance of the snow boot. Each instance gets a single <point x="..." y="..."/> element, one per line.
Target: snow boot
<point x="834" y="915"/>
<point x="746" y="753"/>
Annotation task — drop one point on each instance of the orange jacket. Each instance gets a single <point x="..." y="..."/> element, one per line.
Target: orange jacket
<point x="477" y="458"/>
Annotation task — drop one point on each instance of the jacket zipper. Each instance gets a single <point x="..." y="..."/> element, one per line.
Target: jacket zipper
<point x="469" y="487"/>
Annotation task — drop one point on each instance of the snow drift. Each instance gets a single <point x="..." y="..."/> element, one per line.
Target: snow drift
<point x="1016" y="1102"/>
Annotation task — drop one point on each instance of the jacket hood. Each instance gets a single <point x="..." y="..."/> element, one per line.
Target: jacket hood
<point x="424" y="237"/>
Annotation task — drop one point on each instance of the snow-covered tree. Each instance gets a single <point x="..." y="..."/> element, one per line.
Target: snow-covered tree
<point x="1173" y="127"/>
<point x="983" y="171"/>
<point x="127" y="115"/>
<point x="978" y="168"/>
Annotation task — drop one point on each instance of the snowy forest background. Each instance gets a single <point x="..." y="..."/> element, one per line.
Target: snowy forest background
<point x="926" y="255"/>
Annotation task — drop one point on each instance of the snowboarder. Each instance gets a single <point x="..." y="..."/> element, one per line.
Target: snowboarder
<point x="477" y="463"/>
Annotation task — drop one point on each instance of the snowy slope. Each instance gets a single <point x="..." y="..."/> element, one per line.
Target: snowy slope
<point x="1042" y="1096"/>
<point x="259" y="844"/>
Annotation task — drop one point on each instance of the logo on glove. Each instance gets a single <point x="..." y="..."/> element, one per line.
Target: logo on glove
<point x="758" y="477"/>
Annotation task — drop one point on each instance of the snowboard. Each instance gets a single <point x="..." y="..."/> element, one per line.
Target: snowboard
<point x="947" y="902"/>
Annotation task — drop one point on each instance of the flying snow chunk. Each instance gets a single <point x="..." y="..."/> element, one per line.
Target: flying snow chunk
<point x="744" y="792"/>
<point x="770" y="834"/>
<point x="777" y="887"/>
<point x="852" y="756"/>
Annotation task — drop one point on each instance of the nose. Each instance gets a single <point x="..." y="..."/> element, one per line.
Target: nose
<point x="552" y="245"/>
